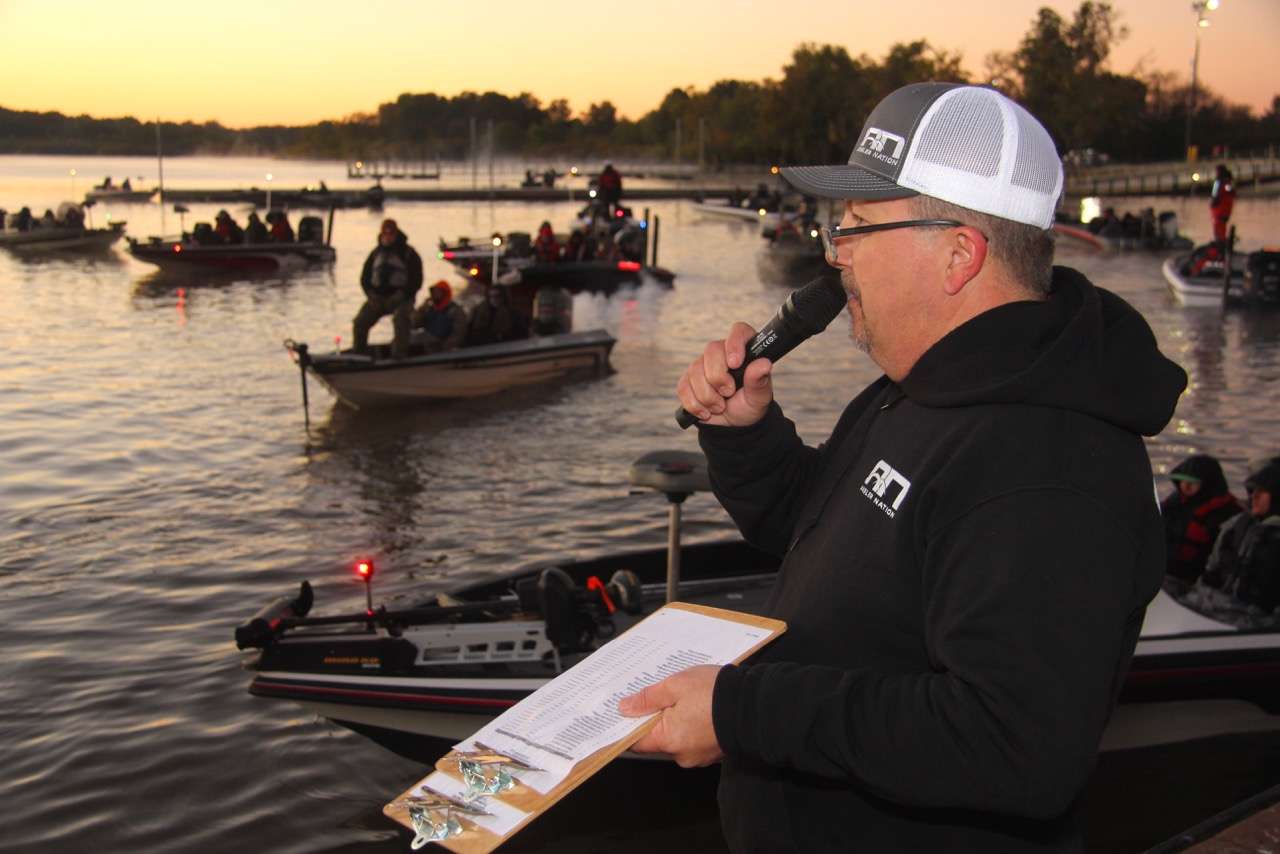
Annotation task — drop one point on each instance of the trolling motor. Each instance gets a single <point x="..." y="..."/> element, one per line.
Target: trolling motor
<point x="264" y="626"/>
<point x="574" y="615"/>
<point x="298" y="352"/>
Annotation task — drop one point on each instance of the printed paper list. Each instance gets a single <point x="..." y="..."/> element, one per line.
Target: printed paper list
<point x="576" y="713"/>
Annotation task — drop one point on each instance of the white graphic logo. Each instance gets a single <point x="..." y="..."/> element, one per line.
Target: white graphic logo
<point x="882" y="480"/>
<point x="875" y="140"/>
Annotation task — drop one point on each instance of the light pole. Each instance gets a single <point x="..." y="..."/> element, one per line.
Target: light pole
<point x="1201" y="8"/>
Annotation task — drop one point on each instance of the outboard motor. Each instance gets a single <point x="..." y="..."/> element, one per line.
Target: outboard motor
<point x="1262" y="276"/>
<point x="519" y="243"/>
<point x="310" y="230"/>
<point x="1168" y="226"/>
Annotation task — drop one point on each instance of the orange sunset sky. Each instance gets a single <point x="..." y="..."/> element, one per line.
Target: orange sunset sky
<point x="292" y="62"/>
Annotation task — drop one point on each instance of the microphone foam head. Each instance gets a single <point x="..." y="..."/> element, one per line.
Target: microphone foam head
<point x="816" y="304"/>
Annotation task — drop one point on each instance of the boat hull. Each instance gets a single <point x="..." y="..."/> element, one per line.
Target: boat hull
<point x="1203" y="290"/>
<point x="586" y="276"/>
<point x="1198" y="685"/>
<point x="119" y="196"/>
<point x="768" y="219"/>
<point x="61" y="239"/>
<point x="362" y="382"/>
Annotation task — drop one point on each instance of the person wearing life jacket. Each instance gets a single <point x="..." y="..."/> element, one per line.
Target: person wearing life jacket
<point x="391" y="277"/>
<point x="254" y="230"/>
<point x="227" y="229"/>
<point x="545" y="245"/>
<point x="1221" y="200"/>
<point x="1245" y="562"/>
<point x="1194" y="514"/>
<point x="610" y="186"/>
<point x="443" y="322"/>
<point x="494" y="320"/>
<point x="281" y="231"/>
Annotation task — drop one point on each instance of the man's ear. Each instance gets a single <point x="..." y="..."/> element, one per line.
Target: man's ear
<point x="967" y="254"/>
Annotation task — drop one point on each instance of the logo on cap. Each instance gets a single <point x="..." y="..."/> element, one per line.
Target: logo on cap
<point x="874" y="142"/>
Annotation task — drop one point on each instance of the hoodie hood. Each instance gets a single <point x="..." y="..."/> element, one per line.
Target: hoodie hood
<point x="1083" y="349"/>
<point x="1202" y="469"/>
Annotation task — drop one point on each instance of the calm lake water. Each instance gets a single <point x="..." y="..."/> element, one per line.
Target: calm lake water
<point x="157" y="487"/>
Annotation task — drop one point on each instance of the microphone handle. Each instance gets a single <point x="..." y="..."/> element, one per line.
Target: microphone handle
<point x="778" y="338"/>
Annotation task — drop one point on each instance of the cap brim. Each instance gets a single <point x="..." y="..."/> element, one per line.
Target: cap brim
<point x="843" y="182"/>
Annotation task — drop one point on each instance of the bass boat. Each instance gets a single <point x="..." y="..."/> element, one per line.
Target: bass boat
<point x="187" y="253"/>
<point x="377" y="380"/>
<point x="1214" y="274"/>
<point x="59" y="239"/>
<point x="443" y="668"/>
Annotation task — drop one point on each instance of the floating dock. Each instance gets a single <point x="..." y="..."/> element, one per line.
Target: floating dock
<point x="364" y="198"/>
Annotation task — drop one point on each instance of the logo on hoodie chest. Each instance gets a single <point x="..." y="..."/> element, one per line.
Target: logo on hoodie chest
<point x="886" y="488"/>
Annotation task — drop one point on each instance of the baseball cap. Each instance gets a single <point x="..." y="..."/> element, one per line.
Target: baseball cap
<point x="967" y="145"/>
<point x="1267" y="477"/>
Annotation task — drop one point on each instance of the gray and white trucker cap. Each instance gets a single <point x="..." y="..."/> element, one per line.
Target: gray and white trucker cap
<point x="968" y="145"/>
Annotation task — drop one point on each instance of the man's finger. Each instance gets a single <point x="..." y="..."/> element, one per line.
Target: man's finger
<point x="735" y="344"/>
<point x="652" y="699"/>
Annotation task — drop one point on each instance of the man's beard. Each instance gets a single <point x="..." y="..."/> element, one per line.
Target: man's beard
<point x="858" y="333"/>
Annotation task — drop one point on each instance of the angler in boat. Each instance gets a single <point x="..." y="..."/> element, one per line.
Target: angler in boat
<point x="390" y="279"/>
<point x="440" y="323"/>
<point x="1193" y="514"/>
<point x="1240" y="582"/>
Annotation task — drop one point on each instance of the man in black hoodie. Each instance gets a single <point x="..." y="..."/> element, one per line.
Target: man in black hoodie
<point x="391" y="278"/>
<point x="969" y="556"/>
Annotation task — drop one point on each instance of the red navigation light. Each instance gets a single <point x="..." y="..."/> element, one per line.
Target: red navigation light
<point x="364" y="569"/>
<point x="629" y="266"/>
<point x="619" y="213"/>
<point x="448" y="255"/>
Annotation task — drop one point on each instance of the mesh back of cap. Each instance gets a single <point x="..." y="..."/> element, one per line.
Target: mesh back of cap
<point x="977" y="149"/>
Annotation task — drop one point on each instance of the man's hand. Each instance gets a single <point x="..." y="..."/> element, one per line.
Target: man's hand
<point x="684" y="729"/>
<point x="707" y="392"/>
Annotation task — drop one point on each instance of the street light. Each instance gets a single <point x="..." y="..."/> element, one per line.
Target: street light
<point x="1201" y="8"/>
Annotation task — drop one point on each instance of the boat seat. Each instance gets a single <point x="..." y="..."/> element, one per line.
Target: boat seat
<point x="674" y="473"/>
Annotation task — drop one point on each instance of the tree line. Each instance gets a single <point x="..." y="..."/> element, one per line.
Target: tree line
<point x="811" y="114"/>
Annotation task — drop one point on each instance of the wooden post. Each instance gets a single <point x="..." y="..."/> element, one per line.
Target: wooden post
<point x="656" y="223"/>
<point x="647" y="226"/>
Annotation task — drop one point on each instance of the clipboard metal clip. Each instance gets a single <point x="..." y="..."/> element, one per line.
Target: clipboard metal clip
<point x="432" y="817"/>
<point x="488" y="772"/>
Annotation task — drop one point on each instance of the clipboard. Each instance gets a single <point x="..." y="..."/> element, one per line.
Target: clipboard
<point x="479" y="840"/>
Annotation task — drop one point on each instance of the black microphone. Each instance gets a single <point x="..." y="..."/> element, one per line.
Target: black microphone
<point x="806" y="312"/>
